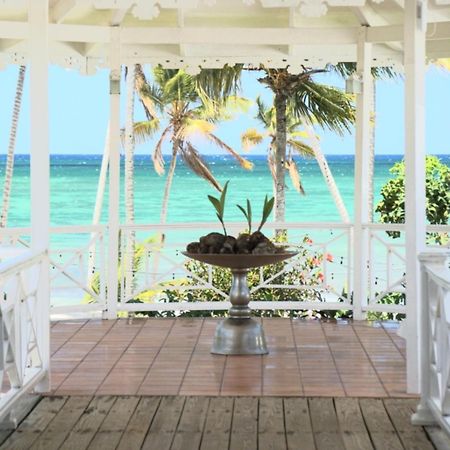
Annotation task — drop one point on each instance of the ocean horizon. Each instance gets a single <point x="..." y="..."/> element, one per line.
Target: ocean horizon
<point x="74" y="180"/>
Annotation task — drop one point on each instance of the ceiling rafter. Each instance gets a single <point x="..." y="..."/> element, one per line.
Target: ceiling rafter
<point x="61" y="9"/>
<point x="369" y="17"/>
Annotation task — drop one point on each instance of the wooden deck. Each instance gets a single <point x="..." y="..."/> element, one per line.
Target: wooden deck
<point x="216" y="423"/>
<point x="172" y="357"/>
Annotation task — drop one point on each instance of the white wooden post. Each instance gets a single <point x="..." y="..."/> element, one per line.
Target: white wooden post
<point x="114" y="177"/>
<point x="362" y="182"/>
<point x="40" y="169"/>
<point x="415" y="219"/>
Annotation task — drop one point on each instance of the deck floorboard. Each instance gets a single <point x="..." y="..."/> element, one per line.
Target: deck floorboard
<point x="216" y="423"/>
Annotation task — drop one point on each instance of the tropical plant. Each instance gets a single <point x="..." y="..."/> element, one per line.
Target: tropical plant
<point x="437" y="183"/>
<point x="307" y="101"/>
<point x="267" y="117"/>
<point x="193" y="104"/>
<point x="247" y="214"/>
<point x="11" y="146"/>
<point x="267" y="209"/>
<point x="219" y="206"/>
<point x="347" y="70"/>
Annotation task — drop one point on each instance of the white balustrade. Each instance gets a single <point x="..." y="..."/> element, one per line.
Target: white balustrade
<point x="24" y="336"/>
<point x="434" y="330"/>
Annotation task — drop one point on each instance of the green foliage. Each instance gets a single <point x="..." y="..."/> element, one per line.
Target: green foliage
<point x="219" y="205"/>
<point x="248" y="214"/>
<point x="392" y="205"/>
<point x="267" y="209"/>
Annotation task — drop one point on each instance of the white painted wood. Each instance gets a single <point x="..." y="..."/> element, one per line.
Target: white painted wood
<point x="362" y="181"/>
<point x="128" y="258"/>
<point x="40" y="169"/>
<point x="114" y="177"/>
<point x="415" y="215"/>
<point x="61" y="8"/>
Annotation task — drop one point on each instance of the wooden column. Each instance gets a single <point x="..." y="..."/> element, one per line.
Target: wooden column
<point x="114" y="177"/>
<point x="362" y="181"/>
<point x="415" y="215"/>
<point x="40" y="169"/>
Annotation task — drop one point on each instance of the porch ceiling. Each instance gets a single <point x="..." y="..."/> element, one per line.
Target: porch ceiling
<point x="211" y="33"/>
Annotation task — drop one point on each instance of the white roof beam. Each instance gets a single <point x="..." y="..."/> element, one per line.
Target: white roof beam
<point x="61" y="9"/>
<point x="369" y="17"/>
<point x="118" y="16"/>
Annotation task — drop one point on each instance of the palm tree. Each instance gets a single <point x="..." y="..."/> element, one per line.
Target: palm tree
<point x="267" y="117"/>
<point x="296" y="129"/>
<point x="378" y="73"/>
<point x="193" y="104"/>
<point x="308" y="101"/>
<point x="11" y="145"/>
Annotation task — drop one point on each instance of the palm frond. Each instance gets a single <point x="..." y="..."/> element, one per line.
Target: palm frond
<point x="345" y="70"/>
<point x="265" y="114"/>
<point x="145" y="129"/>
<point x="328" y="106"/>
<point x="148" y="95"/>
<point x="245" y="163"/>
<point x="195" y="162"/>
<point x="294" y="173"/>
<point x="250" y="138"/>
<point x="157" y="156"/>
<point x="194" y="126"/>
<point x="218" y="84"/>
<point x="301" y="148"/>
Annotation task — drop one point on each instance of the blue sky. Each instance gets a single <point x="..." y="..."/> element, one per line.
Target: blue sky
<point x="79" y="114"/>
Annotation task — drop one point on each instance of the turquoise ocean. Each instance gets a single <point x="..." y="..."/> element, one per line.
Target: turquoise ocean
<point x="74" y="180"/>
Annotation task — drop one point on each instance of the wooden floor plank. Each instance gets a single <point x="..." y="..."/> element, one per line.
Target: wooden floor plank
<point x="271" y="429"/>
<point x="139" y="424"/>
<point x="351" y="423"/>
<point x="192" y="422"/>
<point x="325" y="424"/>
<point x="112" y="428"/>
<point x="36" y="422"/>
<point x="88" y="424"/>
<point x="378" y="423"/>
<point x="164" y="425"/>
<point x="299" y="434"/>
<point x="244" y="430"/>
<point x="413" y="437"/>
<point x="60" y="427"/>
<point x="218" y="424"/>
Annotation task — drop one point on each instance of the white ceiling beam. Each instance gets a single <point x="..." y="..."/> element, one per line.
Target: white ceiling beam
<point x="369" y="17"/>
<point x="118" y="16"/>
<point x="61" y="9"/>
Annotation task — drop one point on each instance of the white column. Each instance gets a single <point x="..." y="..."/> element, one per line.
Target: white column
<point x="362" y="182"/>
<point x="40" y="168"/>
<point x="414" y="62"/>
<point x="114" y="176"/>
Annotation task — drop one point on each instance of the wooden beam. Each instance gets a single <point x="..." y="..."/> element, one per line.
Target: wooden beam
<point x="61" y="9"/>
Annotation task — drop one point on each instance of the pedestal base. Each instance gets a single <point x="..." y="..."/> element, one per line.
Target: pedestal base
<point x="239" y="337"/>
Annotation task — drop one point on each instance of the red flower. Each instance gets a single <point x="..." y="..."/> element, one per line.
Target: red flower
<point x="329" y="257"/>
<point x="320" y="277"/>
<point x="308" y="240"/>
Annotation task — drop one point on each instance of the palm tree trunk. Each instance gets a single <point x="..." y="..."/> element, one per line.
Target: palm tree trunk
<point x="169" y="180"/>
<point x="280" y="157"/>
<point x="327" y="175"/>
<point x="11" y="146"/>
<point x="165" y="204"/>
<point x="98" y="206"/>
<point x="129" y="182"/>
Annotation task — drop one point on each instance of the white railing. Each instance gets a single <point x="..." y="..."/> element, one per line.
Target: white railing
<point x="322" y="269"/>
<point x="77" y="264"/>
<point x="24" y="327"/>
<point x="434" y="405"/>
<point x="78" y="268"/>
